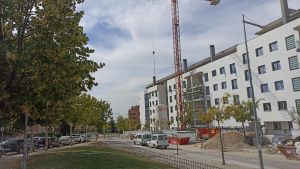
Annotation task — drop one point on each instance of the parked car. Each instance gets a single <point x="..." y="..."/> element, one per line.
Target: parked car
<point x="77" y="138"/>
<point x="41" y="142"/>
<point x="55" y="142"/>
<point x="158" y="141"/>
<point x="86" y="138"/>
<point x="1" y="151"/>
<point x="141" y="139"/>
<point x="65" y="140"/>
<point x="16" y="145"/>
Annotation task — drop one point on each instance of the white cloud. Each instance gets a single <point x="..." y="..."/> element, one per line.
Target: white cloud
<point x="124" y="34"/>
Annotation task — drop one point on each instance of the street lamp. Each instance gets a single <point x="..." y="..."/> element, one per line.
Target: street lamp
<point x="258" y="143"/>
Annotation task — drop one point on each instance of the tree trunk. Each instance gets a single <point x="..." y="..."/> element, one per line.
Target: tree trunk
<point x="71" y="134"/>
<point x="244" y="131"/>
<point x="221" y="141"/>
<point x="208" y="130"/>
<point x="46" y="138"/>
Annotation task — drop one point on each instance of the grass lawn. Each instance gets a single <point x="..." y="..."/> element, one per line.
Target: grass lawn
<point x="91" y="157"/>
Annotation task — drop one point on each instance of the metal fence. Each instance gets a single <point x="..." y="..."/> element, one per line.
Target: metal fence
<point x="159" y="157"/>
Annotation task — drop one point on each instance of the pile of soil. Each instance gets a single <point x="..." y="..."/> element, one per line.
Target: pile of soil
<point x="231" y="139"/>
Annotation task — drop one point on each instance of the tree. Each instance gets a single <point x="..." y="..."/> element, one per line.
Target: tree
<point x="242" y="113"/>
<point x="207" y="118"/>
<point x="121" y="123"/>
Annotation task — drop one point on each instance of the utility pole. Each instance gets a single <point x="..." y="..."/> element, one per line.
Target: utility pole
<point x="258" y="142"/>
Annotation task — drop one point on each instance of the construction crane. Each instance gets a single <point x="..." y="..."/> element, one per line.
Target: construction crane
<point x="177" y="62"/>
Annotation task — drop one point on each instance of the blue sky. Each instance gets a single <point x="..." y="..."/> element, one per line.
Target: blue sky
<point x="125" y="32"/>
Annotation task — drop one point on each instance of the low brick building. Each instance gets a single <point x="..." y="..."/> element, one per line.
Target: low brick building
<point x="134" y="114"/>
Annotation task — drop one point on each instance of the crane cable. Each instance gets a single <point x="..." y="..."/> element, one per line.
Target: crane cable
<point x="152" y="37"/>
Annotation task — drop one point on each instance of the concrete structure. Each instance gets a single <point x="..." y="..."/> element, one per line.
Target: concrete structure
<point x="134" y="114"/>
<point x="274" y="60"/>
<point x="150" y="98"/>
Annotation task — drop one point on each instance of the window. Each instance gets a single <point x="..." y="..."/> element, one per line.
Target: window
<point x="215" y="87"/>
<point x="208" y="103"/>
<point x="279" y="85"/>
<point x="156" y="102"/>
<point x="207" y="90"/>
<point x="225" y="100"/>
<point x="172" y="119"/>
<point x="282" y="105"/>
<point x="175" y="97"/>
<point x="267" y="106"/>
<point x="149" y="104"/>
<point x="262" y="69"/>
<point x="206" y="77"/>
<point x="232" y="68"/>
<point x="298" y="106"/>
<point x="214" y="73"/>
<point x="277" y="126"/>
<point x="153" y="111"/>
<point x="222" y="70"/>
<point x="155" y="93"/>
<point x="234" y="84"/>
<point x="245" y="59"/>
<point x="184" y="84"/>
<point x="294" y="63"/>
<point x="249" y="92"/>
<point x="171" y="99"/>
<point x="296" y="84"/>
<point x="153" y="103"/>
<point x="174" y="86"/>
<point x="152" y="93"/>
<point x="171" y="109"/>
<point x="236" y="99"/>
<point x="223" y="84"/>
<point x="273" y="46"/>
<point x="217" y="101"/>
<point x="259" y="51"/>
<point x="170" y="88"/>
<point x="247" y="75"/>
<point x="264" y="88"/>
<point x="276" y="65"/>
<point x="290" y="42"/>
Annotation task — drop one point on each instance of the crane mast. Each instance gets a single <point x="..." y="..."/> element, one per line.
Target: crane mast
<point x="178" y="64"/>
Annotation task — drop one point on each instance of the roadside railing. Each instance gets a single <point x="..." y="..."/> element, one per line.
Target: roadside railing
<point x="174" y="161"/>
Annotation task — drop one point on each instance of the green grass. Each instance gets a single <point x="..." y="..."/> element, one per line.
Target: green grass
<point x="91" y="158"/>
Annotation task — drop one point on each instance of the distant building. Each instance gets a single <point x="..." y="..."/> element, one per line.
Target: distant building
<point x="134" y="114"/>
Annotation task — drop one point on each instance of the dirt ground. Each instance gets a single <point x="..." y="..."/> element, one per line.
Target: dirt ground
<point x="10" y="163"/>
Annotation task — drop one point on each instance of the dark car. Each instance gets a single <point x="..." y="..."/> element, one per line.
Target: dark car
<point x="41" y="142"/>
<point x="55" y="142"/>
<point x="16" y="145"/>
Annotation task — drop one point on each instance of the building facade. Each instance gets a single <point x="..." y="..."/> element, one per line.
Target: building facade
<point x="134" y="114"/>
<point x="274" y="56"/>
<point x="151" y="97"/>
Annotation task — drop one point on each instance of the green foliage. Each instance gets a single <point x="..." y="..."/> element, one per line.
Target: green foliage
<point x="125" y="124"/>
<point x="45" y="64"/>
<point x="207" y="118"/>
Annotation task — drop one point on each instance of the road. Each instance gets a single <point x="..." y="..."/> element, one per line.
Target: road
<point x="244" y="159"/>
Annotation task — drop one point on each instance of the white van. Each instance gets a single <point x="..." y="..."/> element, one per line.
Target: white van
<point x="158" y="141"/>
<point x="141" y="139"/>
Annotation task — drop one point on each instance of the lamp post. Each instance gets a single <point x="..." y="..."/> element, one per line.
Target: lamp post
<point x="258" y="142"/>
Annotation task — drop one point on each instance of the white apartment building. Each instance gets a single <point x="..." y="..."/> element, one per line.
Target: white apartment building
<point x="149" y="99"/>
<point x="274" y="60"/>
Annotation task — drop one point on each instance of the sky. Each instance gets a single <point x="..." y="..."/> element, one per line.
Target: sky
<point x="124" y="33"/>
